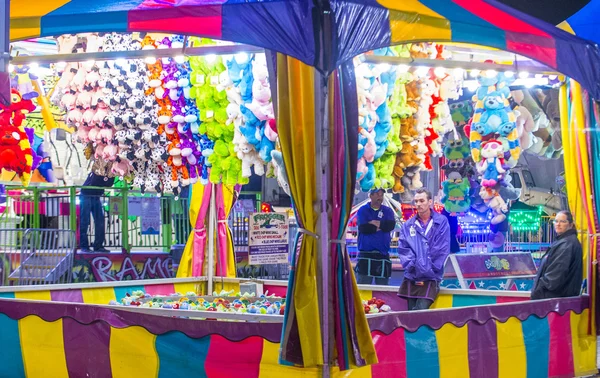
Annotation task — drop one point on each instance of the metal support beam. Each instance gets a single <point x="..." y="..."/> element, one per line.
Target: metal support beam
<point x="468" y="66"/>
<point x="4" y="35"/>
<point x="4" y="52"/>
<point x="138" y="54"/>
<point x="323" y="225"/>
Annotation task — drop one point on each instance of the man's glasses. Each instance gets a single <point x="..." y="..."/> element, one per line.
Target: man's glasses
<point x="557" y="221"/>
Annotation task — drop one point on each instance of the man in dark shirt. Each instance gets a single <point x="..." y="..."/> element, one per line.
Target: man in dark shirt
<point x="91" y="206"/>
<point x="375" y="222"/>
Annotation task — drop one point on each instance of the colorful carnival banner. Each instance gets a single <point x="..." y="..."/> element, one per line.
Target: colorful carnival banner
<point x="548" y="339"/>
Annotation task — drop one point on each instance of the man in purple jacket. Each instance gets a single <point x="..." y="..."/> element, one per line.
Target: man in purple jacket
<point x="423" y="247"/>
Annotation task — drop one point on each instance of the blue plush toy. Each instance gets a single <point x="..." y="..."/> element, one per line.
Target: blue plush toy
<point x="383" y="127"/>
<point x="251" y="126"/>
<point x="504" y="82"/>
<point x="265" y="147"/>
<point x="494" y="117"/>
<point x="234" y="69"/>
<point x="368" y="181"/>
<point x="487" y="85"/>
<point x="246" y="82"/>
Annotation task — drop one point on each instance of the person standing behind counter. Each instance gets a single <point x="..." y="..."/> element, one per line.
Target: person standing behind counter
<point x="91" y="206"/>
<point x="375" y="223"/>
<point x="561" y="269"/>
<point x="423" y="248"/>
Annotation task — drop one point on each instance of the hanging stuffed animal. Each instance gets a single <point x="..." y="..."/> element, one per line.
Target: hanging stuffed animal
<point x="15" y="151"/>
<point x="495" y="202"/>
<point x="491" y="166"/>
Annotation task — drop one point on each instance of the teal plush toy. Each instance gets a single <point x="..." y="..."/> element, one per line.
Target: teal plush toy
<point x="495" y="117"/>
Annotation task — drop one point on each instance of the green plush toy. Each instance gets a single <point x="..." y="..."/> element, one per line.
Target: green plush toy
<point x="394" y="142"/>
<point x="384" y="168"/>
<point x="398" y="102"/>
<point x="457" y="149"/>
<point x="217" y="159"/>
<point x="402" y="51"/>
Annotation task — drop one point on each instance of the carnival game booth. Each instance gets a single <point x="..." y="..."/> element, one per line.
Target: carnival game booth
<point x="324" y="328"/>
<point x="53" y="330"/>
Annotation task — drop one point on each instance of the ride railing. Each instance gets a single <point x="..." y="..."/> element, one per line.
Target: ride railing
<point x="132" y="220"/>
<point x="36" y="256"/>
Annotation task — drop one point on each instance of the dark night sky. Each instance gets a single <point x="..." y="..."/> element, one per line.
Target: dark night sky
<point x="552" y="11"/>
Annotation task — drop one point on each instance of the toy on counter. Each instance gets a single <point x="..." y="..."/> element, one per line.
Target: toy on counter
<point x="247" y="303"/>
<point x="375" y="306"/>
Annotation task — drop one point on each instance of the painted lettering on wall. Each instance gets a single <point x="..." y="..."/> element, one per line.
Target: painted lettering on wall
<point x="108" y="268"/>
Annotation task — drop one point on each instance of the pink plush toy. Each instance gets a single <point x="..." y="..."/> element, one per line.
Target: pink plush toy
<point x="84" y="100"/>
<point x="88" y="116"/>
<point x="106" y="135"/>
<point x="68" y="101"/>
<point x="93" y="134"/>
<point x="370" y="146"/>
<point x="100" y="116"/>
<point x="121" y="167"/>
<point x="74" y="117"/>
<point x="109" y="153"/>
<point x="271" y="130"/>
<point x="82" y="135"/>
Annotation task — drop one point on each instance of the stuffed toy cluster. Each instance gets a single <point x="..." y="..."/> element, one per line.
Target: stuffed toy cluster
<point x="212" y="101"/>
<point x="538" y="121"/>
<point x="367" y="119"/>
<point x="407" y="163"/>
<point x="16" y="154"/>
<point x="177" y="116"/>
<point x="456" y="188"/>
<point x="378" y="137"/>
<point x="494" y="140"/>
<point x="108" y="104"/>
<point x="250" y="111"/>
<point x="164" y="123"/>
<point x="387" y="134"/>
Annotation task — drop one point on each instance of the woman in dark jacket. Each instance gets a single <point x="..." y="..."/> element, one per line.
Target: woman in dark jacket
<point x="561" y="270"/>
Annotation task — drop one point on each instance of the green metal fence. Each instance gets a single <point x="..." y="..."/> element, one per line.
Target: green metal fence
<point x="122" y="215"/>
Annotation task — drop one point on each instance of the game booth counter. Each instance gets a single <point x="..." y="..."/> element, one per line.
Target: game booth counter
<point x="330" y="326"/>
<point x="53" y="330"/>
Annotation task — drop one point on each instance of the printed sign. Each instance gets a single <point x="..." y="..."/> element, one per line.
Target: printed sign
<point x="151" y="216"/>
<point x="134" y="206"/>
<point x="268" y="238"/>
<point x="115" y="204"/>
<point x="244" y="206"/>
<point x="496" y="265"/>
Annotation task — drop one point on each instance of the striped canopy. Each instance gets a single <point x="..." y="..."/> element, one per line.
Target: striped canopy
<point x="326" y="34"/>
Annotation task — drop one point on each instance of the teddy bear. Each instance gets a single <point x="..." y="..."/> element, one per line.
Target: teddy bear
<point x="419" y="51"/>
<point x="495" y="202"/>
<point x="491" y="166"/>
<point x="495" y="117"/>
<point x="16" y="154"/>
<point x="16" y="112"/>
